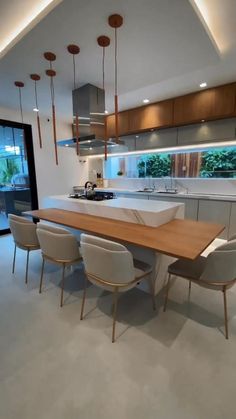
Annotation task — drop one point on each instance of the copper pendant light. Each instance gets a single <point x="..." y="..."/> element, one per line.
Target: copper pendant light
<point x="50" y="56"/>
<point x="35" y="78"/>
<point x="74" y="50"/>
<point x="116" y="21"/>
<point x="103" y="41"/>
<point x="20" y="85"/>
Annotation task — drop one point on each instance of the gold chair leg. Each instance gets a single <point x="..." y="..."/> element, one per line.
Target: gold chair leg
<point x="14" y="260"/>
<point x="225" y="314"/>
<point x="27" y="267"/>
<point x="62" y="284"/>
<point x="41" y="277"/>
<point x="83" y="301"/>
<point x="115" y="295"/>
<point x="152" y="292"/>
<point x="189" y="288"/>
<point x="167" y="292"/>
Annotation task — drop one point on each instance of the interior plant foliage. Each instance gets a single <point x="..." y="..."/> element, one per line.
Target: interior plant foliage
<point x="219" y="163"/>
<point x="8" y="168"/>
<point x="155" y="165"/>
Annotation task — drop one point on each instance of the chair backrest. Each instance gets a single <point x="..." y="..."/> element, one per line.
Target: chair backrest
<point x="53" y="229"/>
<point x="221" y="264"/>
<point x="23" y="231"/>
<point x="57" y="243"/>
<point x="107" y="260"/>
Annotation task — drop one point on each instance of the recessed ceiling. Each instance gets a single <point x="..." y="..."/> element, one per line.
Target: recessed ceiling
<point x="18" y="17"/>
<point x="163" y="51"/>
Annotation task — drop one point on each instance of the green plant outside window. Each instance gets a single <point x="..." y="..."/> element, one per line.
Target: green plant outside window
<point x="218" y="163"/>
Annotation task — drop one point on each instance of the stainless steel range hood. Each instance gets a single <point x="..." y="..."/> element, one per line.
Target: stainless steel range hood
<point x="89" y="104"/>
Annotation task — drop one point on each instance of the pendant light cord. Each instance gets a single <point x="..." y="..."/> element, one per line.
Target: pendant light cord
<point x="76" y="113"/>
<point x="73" y="55"/>
<point x="103" y="68"/>
<point x="116" y="89"/>
<point x="36" y="94"/>
<point x="52" y="86"/>
<point x="21" y="109"/>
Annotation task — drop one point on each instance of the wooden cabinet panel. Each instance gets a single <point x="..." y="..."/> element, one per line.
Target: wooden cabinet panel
<point x="224" y="101"/>
<point x="123" y="124"/>
<point x="218" y="102"/>
<point x="151" y="116"/>
<point x="194" y="107"/>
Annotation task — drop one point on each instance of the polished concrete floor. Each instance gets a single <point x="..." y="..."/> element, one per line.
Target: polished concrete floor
<point x="173" y="365"/>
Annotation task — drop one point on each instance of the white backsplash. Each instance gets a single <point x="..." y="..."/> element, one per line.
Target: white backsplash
<point x="211" y="186"/>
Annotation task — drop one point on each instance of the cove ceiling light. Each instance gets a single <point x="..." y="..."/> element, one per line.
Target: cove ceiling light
<point x="26" y="21"/>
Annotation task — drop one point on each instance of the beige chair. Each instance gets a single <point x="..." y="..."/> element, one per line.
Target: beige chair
<point x="25" y="237"/>
<point x="217" y="271"/>
<point x="58" y="246"/>
<point x="111" y="266"/>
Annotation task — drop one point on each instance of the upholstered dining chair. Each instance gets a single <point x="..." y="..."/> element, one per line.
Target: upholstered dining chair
<point x="25" y="238"/>
<point x="110" y="266"/>
<point x="217" y="272"/>
<point x="58" y="246"/>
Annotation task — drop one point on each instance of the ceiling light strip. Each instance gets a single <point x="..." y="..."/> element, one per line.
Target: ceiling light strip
<point x="37" y="13"/>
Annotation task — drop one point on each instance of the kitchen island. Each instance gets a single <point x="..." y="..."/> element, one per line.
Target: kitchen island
<point x="150" y="213"/>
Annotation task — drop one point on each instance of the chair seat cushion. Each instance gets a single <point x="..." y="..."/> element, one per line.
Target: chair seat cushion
<point x="191" y="269"/>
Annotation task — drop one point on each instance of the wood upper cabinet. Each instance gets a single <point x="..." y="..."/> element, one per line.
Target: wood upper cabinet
<point x="225" y="101"/>
<point x="210" y="104"/>
<point x="156" y="115"/>
<point x="218" y="102"/>
<point x="123" y="124"/>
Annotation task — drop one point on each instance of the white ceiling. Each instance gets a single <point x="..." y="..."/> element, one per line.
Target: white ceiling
<point x="165" y="50"/>
<point x="18" y="17"/>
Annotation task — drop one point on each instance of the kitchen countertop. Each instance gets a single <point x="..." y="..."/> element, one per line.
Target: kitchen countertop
<point x="192" y="195"/>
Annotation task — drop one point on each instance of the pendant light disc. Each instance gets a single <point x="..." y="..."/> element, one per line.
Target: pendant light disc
<point x="35" y="77"/>
<point x="49" y="56"/>
<point x="103" y="41"/>
<point x="73" y="49"/>
<point x="50" y="73"/>
<point x="19" y="84"/>
<point x="115" y="21"/>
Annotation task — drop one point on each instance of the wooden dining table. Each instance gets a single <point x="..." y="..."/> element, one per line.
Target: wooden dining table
<point x="178" y="238"/>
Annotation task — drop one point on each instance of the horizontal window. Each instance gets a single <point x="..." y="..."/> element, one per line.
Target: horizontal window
<point x="208" y="163"/>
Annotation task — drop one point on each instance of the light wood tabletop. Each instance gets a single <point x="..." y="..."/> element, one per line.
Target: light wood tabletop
<point x="178" y="238"/>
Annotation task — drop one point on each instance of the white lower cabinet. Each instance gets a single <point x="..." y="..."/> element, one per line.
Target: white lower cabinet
<point x="215" y="212"/>
<point x="232" y="224"/>
<point x="191" y="205"/>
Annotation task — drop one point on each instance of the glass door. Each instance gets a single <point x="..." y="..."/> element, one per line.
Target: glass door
<point x="18" y="190"/>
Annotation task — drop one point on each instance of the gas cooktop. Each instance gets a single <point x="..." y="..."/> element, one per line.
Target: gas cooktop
<point x="98" y="196"/>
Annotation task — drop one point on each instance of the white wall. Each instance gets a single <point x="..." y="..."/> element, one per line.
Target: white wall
<point x="52" y="179"/>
